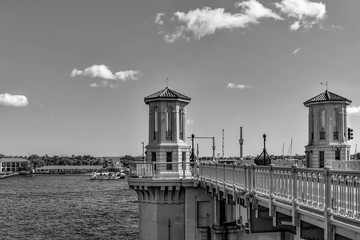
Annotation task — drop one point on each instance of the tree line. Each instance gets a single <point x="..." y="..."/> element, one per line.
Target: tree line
<point x="46" y="160"/>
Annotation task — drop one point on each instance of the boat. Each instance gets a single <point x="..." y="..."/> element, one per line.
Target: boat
<point x="107" y="175"/>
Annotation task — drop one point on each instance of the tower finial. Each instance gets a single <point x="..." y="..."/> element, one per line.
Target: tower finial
<point x="326" y="85"/>
<point x="167" y="82"/>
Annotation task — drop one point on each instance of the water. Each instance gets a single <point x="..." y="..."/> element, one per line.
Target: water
<point x="67" y="207"/>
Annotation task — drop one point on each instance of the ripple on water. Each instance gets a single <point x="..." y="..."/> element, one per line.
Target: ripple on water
<point x="67" y="207"/>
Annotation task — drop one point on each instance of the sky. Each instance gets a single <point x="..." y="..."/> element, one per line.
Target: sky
<point x="74" y="73"/>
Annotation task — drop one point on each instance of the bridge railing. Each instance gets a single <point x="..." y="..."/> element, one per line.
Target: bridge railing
<point x="319" y="189"/>
<point x="230" y="174"/>
<point x="343" y="165"/>
<point x="161" y="169"/>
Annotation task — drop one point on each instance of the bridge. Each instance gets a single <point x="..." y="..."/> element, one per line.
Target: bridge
<point x="295" y="202"/>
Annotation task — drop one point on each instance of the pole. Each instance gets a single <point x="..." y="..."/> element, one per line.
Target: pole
<point x="264" y="136"/>
<point x="222" y="155"/>
<point x="213" y="147"/>
<point x="241" y="141"/>
<point x="143" y="154"/>
<point x="197" y="151"/>
<point x="192" y="147"/>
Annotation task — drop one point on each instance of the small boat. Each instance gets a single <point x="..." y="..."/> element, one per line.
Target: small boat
<point x="107" y="175"/>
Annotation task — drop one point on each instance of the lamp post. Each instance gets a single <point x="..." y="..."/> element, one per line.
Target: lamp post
<point x="143" y="155"/>
<point x="241" y="142"/>
<point x="264" y="136"/>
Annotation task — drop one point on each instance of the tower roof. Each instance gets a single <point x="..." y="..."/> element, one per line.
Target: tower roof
<point x="326" y="97"/>
<point x="167" y="94"/>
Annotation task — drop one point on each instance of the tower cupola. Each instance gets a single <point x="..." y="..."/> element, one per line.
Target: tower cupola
<point x="327" y="139"/>
<point x="167" y="147"/>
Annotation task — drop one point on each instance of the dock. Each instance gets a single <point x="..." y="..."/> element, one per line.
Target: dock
<point x="8" y="175"/>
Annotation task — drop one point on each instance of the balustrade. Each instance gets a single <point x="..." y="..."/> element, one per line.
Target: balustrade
<point x="157" y="169"/>
<point x="306" y="186"/>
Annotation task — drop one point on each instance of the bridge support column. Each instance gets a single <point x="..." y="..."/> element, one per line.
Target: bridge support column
<point x="298" y="231"/>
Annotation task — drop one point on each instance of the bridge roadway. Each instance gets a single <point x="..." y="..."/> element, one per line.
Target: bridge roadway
<point x="324" y="198"/>
<point x="312" y="203"/>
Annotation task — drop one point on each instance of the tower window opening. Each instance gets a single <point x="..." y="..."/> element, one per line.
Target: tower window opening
<point x="322" y="135"/>
<point x="337" y="154"/>
<point x="169" y="123"/>
<point x="322" y="120"/>
<point x="169" y="160"/>
<point x="322" y="124"/>
<point x="321" y="159"/>
<point x="156" y="122"/>
<point x="336" y="125"/>
<point x="153" y="159"/>
<point x="181" y="124"/>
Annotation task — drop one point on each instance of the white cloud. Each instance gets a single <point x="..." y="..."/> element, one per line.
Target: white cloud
<point x="7" y="99"/>
<point x="353" y="110"/>
<point x="189" y="121"/>
<point x="158" y="18"/>
<point x="296" y="51"/>
<point x="176" y="35"/>
<point x="205" y="21"/>
<point x="129" y="74"/>
<point x="305" y="12"/>
<point x="102" y="71"/>
<point x="239" y="86"/>
<point x="338" y="27"/>
<point x="104" y="84"/>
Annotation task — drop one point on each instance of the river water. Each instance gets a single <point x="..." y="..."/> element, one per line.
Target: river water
<point x="67" y="207"/>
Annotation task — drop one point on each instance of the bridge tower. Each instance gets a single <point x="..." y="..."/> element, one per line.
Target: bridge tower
<point x="327" y="130"/>
<point x="167" y="132"/>
<point x="169" y="202"/>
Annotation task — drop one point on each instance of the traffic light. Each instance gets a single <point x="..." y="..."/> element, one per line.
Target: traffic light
<point x="247" y="228"/>
<point x="350" y="133"/>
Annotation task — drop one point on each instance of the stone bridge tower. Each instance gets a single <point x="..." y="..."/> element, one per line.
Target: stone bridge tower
<point x="167" y="134"/>
<point x="327" y="129"/>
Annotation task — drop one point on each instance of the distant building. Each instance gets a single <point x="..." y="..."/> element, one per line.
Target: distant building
<point x="58" y="169"/>
<point x="115" y="165"/>
<point x="327" y="129"/>
<point x="13" y="165"/>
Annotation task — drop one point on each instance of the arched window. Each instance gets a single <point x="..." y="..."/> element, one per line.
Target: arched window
<point x="336" y="124"/>
<point x="181" y="123"/>
<point x="168" y="121"/>
<point x="322" y="124"/>
<point x="322" y="120"/>
<point x="156" y="122"/>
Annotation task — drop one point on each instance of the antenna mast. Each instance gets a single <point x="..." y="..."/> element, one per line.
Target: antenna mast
<point x="290" y="149"/>
<point x="223" y="143"/>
